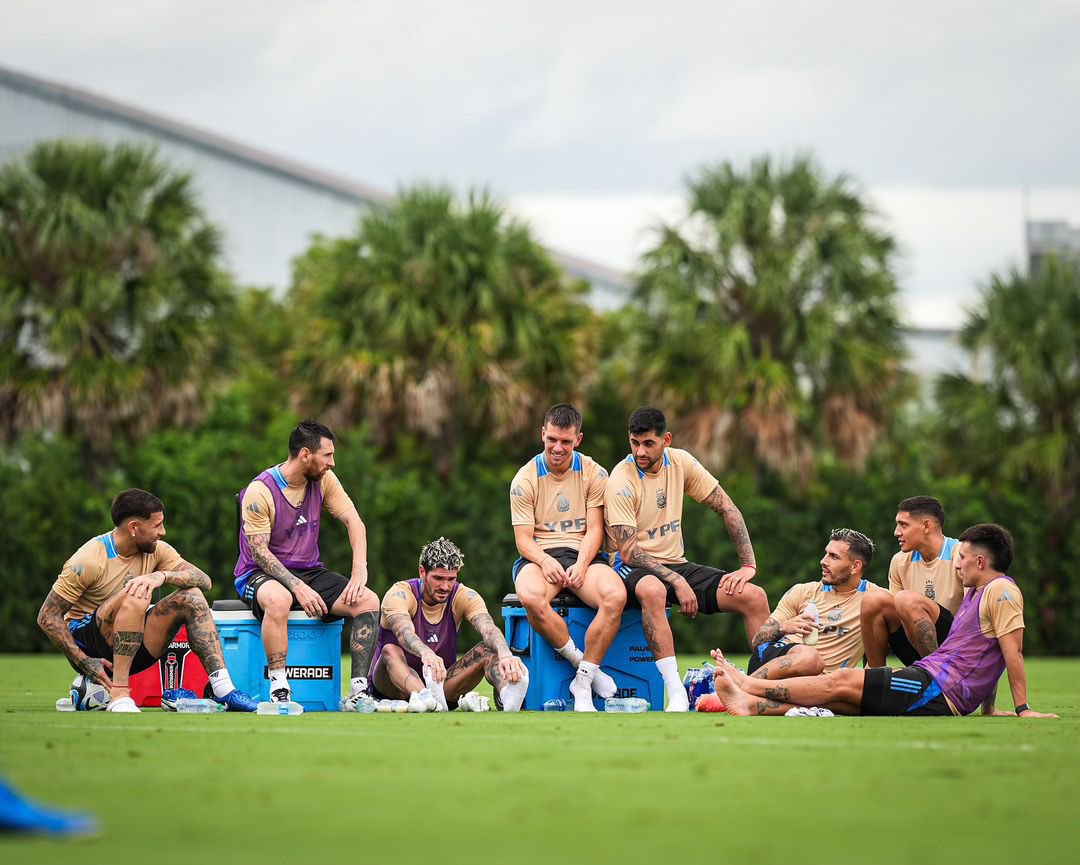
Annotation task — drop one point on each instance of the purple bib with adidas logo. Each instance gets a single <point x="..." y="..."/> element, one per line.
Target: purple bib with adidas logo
<point x="294" y="536"/>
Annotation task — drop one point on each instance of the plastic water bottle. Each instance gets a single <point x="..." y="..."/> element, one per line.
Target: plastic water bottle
<point x="290" y="707"/>
<point x="556" y="705"/>
<point x="364" y="705"/>
<point x="626" y="704"/>
<point x="198" y="707"/>
<point x="698" y="681"/>
<point x="812" y="638"/>
<point x="64" y="704"/>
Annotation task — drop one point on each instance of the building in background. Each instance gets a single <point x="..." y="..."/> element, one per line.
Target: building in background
<point x="1051" y="238"/>
<point x="268" y="207"/>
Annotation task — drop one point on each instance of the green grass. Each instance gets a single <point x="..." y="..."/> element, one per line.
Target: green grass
<point x="536" y="787"/>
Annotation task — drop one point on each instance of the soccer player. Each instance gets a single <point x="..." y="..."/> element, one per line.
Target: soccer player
<point x="557" y="510"/>
<point x="914" y="617"/>
<point x="416" y="650"/>
<point x="279" y="568"/>
<point x="987" y="637"/>
<point x="99" y="611"/>
<point x="777" y="648"/>
<point x="643" y="510"/>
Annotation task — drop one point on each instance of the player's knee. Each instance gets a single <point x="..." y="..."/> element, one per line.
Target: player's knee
<point x="192" y="600"/>
<point x="750" y="601"/>
<point x="276" y="605"/>
<point x="810" y="662"/>
<point x="911" y="604"/>
<point x="612" y="597"/>
<point x="532" y="597"/>
<point x="132" y="606"/>
<point x="651" y="593"/>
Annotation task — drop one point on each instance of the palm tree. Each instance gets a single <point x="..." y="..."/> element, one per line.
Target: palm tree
<point x="110" y="295"/>
<point x="441" y="318"/>
<point x="766" y="320"/>
<point x="1018" y="425"/>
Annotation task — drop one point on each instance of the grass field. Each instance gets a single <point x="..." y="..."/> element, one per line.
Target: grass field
<point x="537" y="787"/>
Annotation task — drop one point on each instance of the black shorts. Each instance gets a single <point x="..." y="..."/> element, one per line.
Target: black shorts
<point x="901" y="645"/>
<point x="767" y="652"/>
<point x="88" y="636"/>
<point x="910" y="691"/>
<point x="565" y="556"/>
<point x="329" y="584"/>
<point x="702" y="579"/>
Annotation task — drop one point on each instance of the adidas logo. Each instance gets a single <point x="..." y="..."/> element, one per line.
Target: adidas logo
<point x="1005" y="596"/>
<point x="625" y="491"/>
<point x="517" y="491"/>
<point x="301" y="520"/>
<point x="434" y="638"/>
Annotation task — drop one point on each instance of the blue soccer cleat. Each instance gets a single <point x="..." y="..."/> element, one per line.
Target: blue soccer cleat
<point x="169" y="698"/>
<point x="237" y="701"/>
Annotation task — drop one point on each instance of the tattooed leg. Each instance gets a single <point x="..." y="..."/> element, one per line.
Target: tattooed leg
<point x="393" y="676"/>
<point x="918" y="615"/>
<point x="799" y="661"/>
<point x="652" y="595"/>
<point x="275" y="601"/>
<point x="185" y="607"/>
<point x="127" y="636"/>
<point x="469" y="669"/>
<point x="362" y="642"/>
<point x="840" y="691"/>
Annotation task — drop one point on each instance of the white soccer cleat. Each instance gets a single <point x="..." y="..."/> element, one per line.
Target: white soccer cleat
<point x="423" y="701"/>
<point x="473" y="702"/>
<point x="124" y="704"/>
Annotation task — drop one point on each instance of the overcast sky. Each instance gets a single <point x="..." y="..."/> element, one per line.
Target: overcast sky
<point x="587" y="116"/>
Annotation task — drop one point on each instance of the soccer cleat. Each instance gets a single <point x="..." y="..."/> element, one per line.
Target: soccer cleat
<point x="355" y="698"/>
<point x="473" y="702"/>
<point x="19" y="815"/>
<point x="237" y="701"/>
<point x="281" y="695"/>
<point x="169" y="698"/>
<point x="124" y="704"/>
<point x="423" y="701"/>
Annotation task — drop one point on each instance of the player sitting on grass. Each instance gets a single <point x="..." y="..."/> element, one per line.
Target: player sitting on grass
<point x="777" y="649"/>
<point x="99" y="612"/>
<point x="416" y="647"/>
<point x="986" y="638"/>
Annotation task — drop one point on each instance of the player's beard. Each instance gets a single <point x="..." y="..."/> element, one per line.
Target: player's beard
<point x="148" y="547"/>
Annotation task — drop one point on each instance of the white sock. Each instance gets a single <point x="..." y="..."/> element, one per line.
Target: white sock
<point x="358" y="685"/>
<point x="221" y="682"/>
<point x="278" y="679"/>
<point x="436" y="688"/>
<point x="581" y="689"/>
<point x="513" y="695"/>
<point x="603" y="684"/>
<point x="571" y="652"/>
<point x="676" y="693"/>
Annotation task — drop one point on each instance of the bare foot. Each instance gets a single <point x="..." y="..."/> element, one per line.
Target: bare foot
<point x="723" y="663"/>
<point x="735" y="701"/>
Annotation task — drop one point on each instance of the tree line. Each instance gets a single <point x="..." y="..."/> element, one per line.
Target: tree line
<point x="764" y="323"/>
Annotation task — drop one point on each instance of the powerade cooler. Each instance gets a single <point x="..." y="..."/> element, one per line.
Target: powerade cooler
<point x="628" y="660"/>
<point x="314" y="662"/>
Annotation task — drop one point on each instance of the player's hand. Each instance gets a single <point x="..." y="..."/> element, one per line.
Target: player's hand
<point x="1030" y="713"/>
<point x="553" y="572"/>
<point x="355" y="588"/>
<point x="97" y="669"/>
<point x="511" y="669"/>
<point x="801" y="624"/>
<point x="434" y="665"/>
<point x="688" y="604"/>
<point x="143" y="586"/>
<point x="310" y="601"/>
<point x="575" y="575"/>
<point x="735" y="580"/>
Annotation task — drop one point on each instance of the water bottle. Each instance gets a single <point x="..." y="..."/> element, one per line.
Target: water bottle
<point x="626" y="704"/>
<point x="557" y="705"/>
<point x="198" y="707"/>
<point x="365" y="704"/>
<point x="812" y="638"/>
<point x="289" y="707"/>
<point x="64" y="704"/>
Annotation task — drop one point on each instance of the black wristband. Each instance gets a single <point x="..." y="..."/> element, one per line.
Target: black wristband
<point x="1023" y="707"/>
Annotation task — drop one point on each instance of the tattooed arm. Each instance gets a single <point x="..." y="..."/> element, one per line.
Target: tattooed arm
<point x="51" y="620"/>
<point x="310" y="600"/>
<point x="402" y="626"/>
<point x="774" y="630"/>
<point x="187" y="576"/>
<point x="633" y="555"/>
<point x="720" y="502"/>
<point x="509" y="668"/>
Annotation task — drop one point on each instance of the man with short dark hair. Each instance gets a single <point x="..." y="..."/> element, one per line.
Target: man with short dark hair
<point x="416" y="652"/>
<point x="280" y="568"/>
<point x="986" y="638"/>
<point x="778" y="650"/>
<point x="643" y="510"/>
<point x="99" y="611"/>
<point x="557" y="510"/>
<point x="924" y="591"/>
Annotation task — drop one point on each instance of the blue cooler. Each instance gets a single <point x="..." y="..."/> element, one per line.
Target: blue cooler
<point x="314" y="662"/>
<point x="628" y="661"/>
